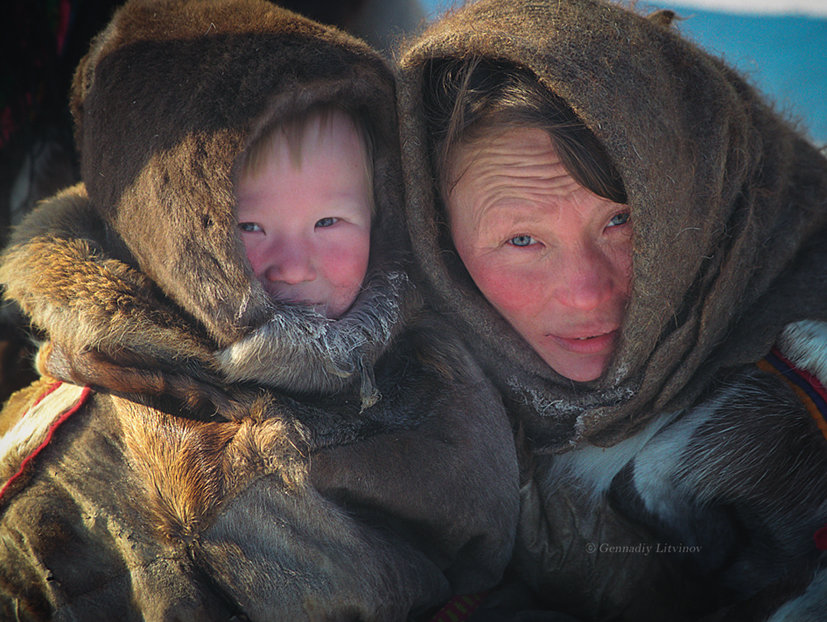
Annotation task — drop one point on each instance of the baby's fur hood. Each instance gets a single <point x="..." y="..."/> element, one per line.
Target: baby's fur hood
<point x="728" y="201"/>
<point x="145" y="253"/>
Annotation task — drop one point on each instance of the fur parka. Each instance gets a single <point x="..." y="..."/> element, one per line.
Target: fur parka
<point x="195" y="450"/>
<point x="684" y="441"/>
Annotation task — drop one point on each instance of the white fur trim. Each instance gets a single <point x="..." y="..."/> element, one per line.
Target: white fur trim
<point x="596" y="467"/>
<point x="805" y="345"/>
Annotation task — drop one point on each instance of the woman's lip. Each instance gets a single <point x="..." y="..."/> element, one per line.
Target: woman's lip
<point x="588" y="345"/>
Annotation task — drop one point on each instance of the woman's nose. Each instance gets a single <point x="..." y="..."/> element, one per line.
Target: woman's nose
<point x="585" y="278"/>
<point x="289" y="261"/>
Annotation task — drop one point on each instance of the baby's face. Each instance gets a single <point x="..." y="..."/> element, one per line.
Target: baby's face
<point x="306" y="226"/>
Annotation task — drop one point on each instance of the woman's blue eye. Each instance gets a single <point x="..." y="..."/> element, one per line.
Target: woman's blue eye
<point x="521" y="240"/>
<point x="249" y="227"/>
<point x="327" y="222"/>
<point x="620" y="219"/>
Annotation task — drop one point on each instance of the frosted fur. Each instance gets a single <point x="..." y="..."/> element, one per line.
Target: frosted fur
<point x="548" y="407"/>
<point x="319" y="354"/>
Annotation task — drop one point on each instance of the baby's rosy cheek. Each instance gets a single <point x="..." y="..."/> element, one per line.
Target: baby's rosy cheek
<point x="346" y="270"/>
<point x="254" y="256"/>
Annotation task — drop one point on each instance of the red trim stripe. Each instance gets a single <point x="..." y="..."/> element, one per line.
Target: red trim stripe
<point x="49" y="434"/>
<point x="46" y="393"/>
<point x="459" y="608"/>
<point x="806" y="386"/>
<point x="812" y="380"/>
<point x="820" y="538"/>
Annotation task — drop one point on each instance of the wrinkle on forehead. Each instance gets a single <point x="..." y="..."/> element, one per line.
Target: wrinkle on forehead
<point x="513" y="166"/>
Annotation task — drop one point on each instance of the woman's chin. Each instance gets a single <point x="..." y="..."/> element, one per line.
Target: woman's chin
<point x="579" y="368"/>
<point x="580" y="364"/>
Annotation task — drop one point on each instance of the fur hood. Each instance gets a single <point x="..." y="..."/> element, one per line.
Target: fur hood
<point x="163" y="107"/>
<point x="729" y="204"/>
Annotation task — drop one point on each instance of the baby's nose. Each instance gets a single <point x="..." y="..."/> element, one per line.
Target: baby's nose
<point x="290" y="262"/>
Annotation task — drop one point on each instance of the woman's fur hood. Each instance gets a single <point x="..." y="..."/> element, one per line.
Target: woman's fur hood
<point x="168" y="97"/>
<point x="729" y="204"/>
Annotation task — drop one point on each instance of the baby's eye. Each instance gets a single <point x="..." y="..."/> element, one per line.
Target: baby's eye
<point x="327" y="222"/>
<point x="620" y="219"/>
<point x="522" y="240"/>
<point x="249" y="227"/>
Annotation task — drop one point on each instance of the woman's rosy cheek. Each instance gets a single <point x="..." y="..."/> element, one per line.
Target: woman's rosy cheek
<point x="509" y="289"/>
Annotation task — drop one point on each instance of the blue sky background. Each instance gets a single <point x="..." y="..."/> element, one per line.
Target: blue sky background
<point x="781" y="47"/>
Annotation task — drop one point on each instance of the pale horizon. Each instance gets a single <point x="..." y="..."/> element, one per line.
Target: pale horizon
<point x="814" y="8"/>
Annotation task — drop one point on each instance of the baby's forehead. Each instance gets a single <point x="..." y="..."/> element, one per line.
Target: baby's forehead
<point x="326" y="149"/>
<point x="299" y="135"/>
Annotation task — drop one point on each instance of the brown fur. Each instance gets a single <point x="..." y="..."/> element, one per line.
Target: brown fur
<point x="189" y="469"/>
<point x="117" y="300"/>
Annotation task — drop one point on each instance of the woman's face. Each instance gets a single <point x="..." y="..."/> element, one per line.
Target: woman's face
<point x="552" y="257"/>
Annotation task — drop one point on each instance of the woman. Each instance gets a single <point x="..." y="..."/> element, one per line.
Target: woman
<point x="622" y="230"/>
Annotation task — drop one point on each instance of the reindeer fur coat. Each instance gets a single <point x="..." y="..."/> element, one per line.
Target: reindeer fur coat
<point x="685" y="441"/>
<point x="195" y="450"/>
